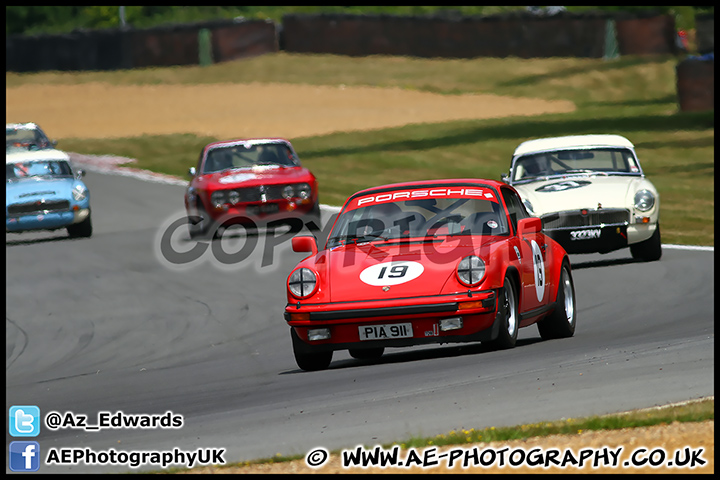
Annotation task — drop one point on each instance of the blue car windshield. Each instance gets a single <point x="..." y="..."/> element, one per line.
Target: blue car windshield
<point x="25" y="139"/>
<point x="50" y="168"/>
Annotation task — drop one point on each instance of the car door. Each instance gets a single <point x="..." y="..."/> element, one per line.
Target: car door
<point x="532" y="257"/>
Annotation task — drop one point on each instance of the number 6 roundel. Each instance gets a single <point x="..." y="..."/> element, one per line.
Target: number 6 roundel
<point x="391" y="273"/>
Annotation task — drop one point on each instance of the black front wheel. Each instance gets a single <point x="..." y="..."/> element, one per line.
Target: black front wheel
<point x="561" y="322"/>
<point x="649" y="250"/>
<point x="507" y="316"/>
<point x="82" y="229"/>
<point x="305" y="358"/>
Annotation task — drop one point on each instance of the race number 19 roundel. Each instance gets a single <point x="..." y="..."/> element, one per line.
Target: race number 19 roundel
<point x="539" y="270"/>
<point x="391" y="273"/>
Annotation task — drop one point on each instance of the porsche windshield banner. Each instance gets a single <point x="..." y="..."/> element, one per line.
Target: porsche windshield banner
<point x="423" y="193"/>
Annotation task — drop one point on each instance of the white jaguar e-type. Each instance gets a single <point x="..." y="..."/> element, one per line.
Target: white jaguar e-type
<point x="590" y="192"/>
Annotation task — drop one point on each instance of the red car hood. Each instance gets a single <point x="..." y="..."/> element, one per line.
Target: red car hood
<point x="409" y="269"/>
<point x="260" y="175"/>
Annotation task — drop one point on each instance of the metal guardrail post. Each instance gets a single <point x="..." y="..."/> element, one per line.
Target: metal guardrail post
<point x="611" y="50"/>
<point x="205" y="47"/>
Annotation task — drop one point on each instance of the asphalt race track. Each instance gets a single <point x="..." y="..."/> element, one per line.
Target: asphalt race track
<point x="105" y="324"/>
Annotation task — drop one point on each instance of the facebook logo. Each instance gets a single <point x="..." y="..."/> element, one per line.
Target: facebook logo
<point x="24" y="421"/>
<point x="24" y="456"/>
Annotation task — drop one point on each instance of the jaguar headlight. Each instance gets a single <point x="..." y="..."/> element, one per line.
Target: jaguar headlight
<point x="79" y="193"/>
<point x="302" y="282"/>
<point x="217" y="198"/>
<point x="471" y="270"/>
<point x="304" y="191"/>
<point x="644" y="200"/>
<point x="288" y="192"/>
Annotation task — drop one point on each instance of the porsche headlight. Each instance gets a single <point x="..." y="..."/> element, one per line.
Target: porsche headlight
<point x="471" y="270"/>
<point x="217" y="198"/>
<point x="304" y="191"/>
<point x="644" y="200"/>
<point x="79" y="193"/>
<point x="288" y="192"/>
<point x="302" y="282"/>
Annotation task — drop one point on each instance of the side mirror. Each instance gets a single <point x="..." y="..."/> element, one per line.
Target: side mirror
<point x="528" y="226"/>
<point x="304" y="244"/>
<point x="504" y="177"/>
<point x="53" y="143"/>
<point x="80" y="174"/>
<point x="191" y="171"/>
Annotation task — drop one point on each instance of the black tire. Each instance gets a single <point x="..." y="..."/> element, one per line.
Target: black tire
<point x="199" y="225"/>
<point x="305" y="358"/>
<point x="314" y="218"/>
<point x="507" y="316"/>
<point x="82" y="229"/>
<point x="650" y="250"/>
<point x="561" y="322"/>
<point x="366" y="353"/>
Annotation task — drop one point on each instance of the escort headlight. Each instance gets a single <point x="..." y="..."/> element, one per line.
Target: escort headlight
<point x="304" y="191"/>
<point x="471" y="270"/>
<point x="79" y="193"/>
<point x="233" y="197"/>
<point x="302" y="282"/>
<point x="288" y="192"/>
<point x="644" y="200"/>
<point x="217" y="198"/>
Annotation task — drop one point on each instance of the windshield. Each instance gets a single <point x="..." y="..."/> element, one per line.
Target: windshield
<point x="247" y="155"/>
<point x="25" y="139"/>
<point x="51" y="168"/>
<point x="600" y="161"/>
<point x="419" y="218"/>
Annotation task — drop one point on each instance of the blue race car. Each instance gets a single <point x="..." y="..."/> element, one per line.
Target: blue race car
<point x="28" y="136"/>
<point x="43" y="193"/>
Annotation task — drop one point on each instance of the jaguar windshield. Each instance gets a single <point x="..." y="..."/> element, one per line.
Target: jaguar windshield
<point x="605" y="161"/>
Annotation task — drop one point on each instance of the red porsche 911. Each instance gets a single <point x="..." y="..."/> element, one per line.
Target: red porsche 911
<point x="434" y="261"/>
<point x="250" y="182"/>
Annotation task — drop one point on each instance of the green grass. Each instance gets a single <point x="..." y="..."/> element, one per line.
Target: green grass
<point x="697" y="411"/>
<point x="631" y="96"/>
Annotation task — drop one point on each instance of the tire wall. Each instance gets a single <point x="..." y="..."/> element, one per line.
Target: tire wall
<point x="696" y="74"/>
<point x="522" y="36"/>
<point x="117" y="49"/>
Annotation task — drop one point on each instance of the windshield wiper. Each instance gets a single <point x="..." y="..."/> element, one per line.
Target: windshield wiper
<point x="589" y="172"/>
<point x="356" y="239"/>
